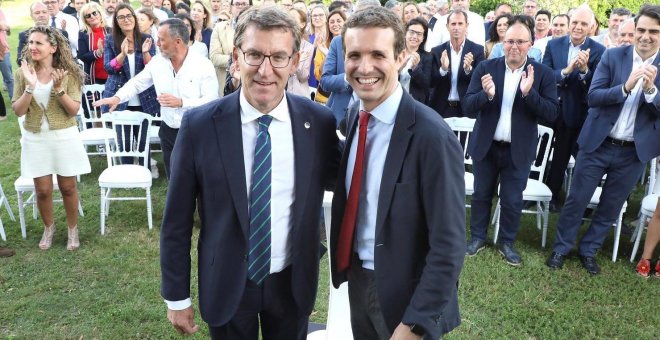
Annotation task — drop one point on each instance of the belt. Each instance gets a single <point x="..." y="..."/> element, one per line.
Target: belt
<point x="619" y="142"/>
<point x="501" y="143"/>
<point x="453" y="103"/>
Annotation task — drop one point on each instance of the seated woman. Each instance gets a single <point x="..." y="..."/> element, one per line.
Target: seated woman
<point x="415" y="75"/>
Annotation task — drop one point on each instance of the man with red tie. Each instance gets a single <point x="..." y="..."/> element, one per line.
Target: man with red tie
<point x="398" y="216"/>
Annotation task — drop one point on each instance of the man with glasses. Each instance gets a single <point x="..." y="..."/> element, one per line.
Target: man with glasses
<point x="530" y="7"/>
<point x="66" y="22"/>
<point x="260" y="160"/>
<point x="508" y="95"/>
<point x="573" y="59"/>
<point x="182" y="80"/>
<point x="39" y="15"/>
<point x="452" y="66"/>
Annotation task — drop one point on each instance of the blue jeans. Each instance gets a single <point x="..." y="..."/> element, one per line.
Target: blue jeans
<point x="7" y="74"/>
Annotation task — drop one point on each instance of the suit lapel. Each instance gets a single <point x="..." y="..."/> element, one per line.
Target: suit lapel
<point x="401" y="135"/>
<point x="498" y="79"/>
<point x="562" y="61"/>
<point x="229" y="137"/>
<point x="304" y="154"/>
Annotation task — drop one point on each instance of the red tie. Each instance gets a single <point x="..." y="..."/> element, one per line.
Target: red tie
<point x="347" y="231"/>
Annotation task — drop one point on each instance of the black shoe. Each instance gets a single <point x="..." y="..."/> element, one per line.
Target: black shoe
<point x="511" y="256"/>
<point x="589" y="263"/>
<point x="474" y="246"/>
<point x="555" y="261"/>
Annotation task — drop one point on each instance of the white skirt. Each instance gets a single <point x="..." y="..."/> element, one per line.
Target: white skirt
<point x="59" y="152"/>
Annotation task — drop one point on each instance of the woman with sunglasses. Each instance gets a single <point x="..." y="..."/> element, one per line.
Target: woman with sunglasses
<point x="91" y="40"/>
<point x="48" y="96"/>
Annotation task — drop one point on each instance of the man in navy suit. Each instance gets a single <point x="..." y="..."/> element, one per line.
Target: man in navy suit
<point x="39" y="14"/>
<point x="620" y="135"/>
<point x="508" y="96"/>
<point x="260" y="160"/>
<point x="573" y="59"/>
<point x="453" y="62"/>
<point x="398" y="216"/>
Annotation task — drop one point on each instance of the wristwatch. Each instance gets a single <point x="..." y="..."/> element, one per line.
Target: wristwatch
<point x="60" y="94"/>
<point x="416" y="329"/>
<point x="650" y="91"/>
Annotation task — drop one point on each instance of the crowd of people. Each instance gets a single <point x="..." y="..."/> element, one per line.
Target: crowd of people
<point x="385" y="76"/>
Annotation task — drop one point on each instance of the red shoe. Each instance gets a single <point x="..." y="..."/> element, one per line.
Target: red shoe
<point x="643" y="268"/>
<point x="657" y="269"/>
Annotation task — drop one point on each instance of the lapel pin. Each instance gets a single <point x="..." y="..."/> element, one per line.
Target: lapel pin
<point x="307" y="125"/>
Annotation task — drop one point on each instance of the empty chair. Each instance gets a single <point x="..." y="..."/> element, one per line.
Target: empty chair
<point x="131" y="131"/>
<point x="92" y="130"/>
<point x="463" y="127"/>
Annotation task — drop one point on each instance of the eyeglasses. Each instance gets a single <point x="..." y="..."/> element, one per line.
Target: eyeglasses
<point x="254" y="58"/>
<point x="415" y="33"/>
<point x="49" y="3"/>
<point x="515" y="42"/>
<point x="93" y="14"/>
<point x="240" y="4"/>
<point x="127" y="17"/>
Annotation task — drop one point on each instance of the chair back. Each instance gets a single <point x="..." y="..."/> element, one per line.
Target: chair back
<point x="131" y="138"/>
<point x="462" y="127"/>
<point x="91" y="93"/>
<point x="543" y="149"/>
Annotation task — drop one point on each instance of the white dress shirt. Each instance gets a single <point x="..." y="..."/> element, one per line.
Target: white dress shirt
<point x="511" y="81"/>
<point x="624" y="128"/>
<point x="456" y="63"/>
<point x="379" y="133"/>
<point x="282" y="180"/>
<point x="195" y="83"/>
<point x="71" y="29"/>
<point x="475" y="32"/>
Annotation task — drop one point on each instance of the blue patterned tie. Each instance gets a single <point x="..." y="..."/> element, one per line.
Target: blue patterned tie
<point x="52" y="22"/>
<point x="259" y="256"/>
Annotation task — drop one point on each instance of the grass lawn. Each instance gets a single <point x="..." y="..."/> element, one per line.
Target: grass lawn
<point x="109" y="288"/>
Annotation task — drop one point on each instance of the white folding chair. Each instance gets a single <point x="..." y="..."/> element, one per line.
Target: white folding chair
<point x="92" y="130"/>
<point x="535" y="190"/>
<point x="133" y="127"/>
<point x="463" y="127"/>
<point x="648" y="205"/>
<point x="5" y="203"/>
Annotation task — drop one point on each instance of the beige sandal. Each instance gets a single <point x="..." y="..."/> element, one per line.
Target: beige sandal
<point x="47" y="237"/>
<point x="73" y="243"/>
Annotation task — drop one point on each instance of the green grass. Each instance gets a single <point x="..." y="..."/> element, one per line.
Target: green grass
<point x="109" y="288"/>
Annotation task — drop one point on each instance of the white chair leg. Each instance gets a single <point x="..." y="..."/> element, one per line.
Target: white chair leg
<point x="2" y="231"/>
<point x="103" y="205"/>
<point x="638" y="236"/>
<point x="539" y="210"/>
<point x="107" y="202"/>
<point x="149" y="218"/>
<point x="496" y="219"/>
<point x="21" y="213"/>
<point x="80" y="209"/>
<point x="6" y="203"/>
<point x="33" y="200"/>
<point x="497" y="212"/>
<point x="617" y="236"/>
<point x="546" y="209"/>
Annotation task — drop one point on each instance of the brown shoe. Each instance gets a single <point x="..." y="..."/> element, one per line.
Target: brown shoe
<point x="6" y="252"/>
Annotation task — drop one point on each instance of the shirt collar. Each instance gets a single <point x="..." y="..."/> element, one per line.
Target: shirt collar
<point x="570" y="42"/>
<point x="637" y="57"/>
<point x="386" y="111"/>
<point x="451" y="45"/>
<point x="250" y="113"/>
<point x="516" y="70"/>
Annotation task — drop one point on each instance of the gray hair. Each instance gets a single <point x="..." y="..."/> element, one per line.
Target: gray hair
<point x="177" y="29"/>
<point x="362" y="4"/>
<point x="624" y="23"/>
<point x="267" y="19"/>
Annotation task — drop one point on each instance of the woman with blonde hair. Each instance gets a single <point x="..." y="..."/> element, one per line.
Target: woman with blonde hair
<point x="409" y="11"/>
<point x="318" y="36"/>
<point x="201" y="16"/>
<point x="90" y="42"/>
<point x="298" y="82"/>
<point x="48" y="95"/>
<point x="335" y="24"/>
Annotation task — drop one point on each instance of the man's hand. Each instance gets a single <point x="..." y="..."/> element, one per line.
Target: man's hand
<point x="572" y="64"/>
<point x="649" y="73"/>
<point x="168" y="100"/>
<point x="582" y="60"/>
<point x="633" y="78"/>
<point x="467" y="62"/>
<point x="63" y="25"/>
<point x="112" y="102"/>
<point x="183" y="320"/>
<point x="403" y="332"/>
<point x="488" y="85"/>
<point x="444" y="61"/>
<point x="527" y="80"/>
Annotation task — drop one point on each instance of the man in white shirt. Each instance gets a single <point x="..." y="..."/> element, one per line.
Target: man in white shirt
<point x="476" y="32"/>
<point x="159" y="13"/>
<point x="507" y="96"/>
<point x="259" y="159"/>
<point x="182" y="80"/>
<point x="64" y="21"/>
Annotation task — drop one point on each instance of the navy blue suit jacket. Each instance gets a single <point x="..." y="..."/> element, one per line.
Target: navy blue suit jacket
<point x="606" y="100"/>
<point x="572" y="90"/>
<point x="442" y="85"/>
<point x="332" y="80"/>
<point x="420" y="78"/>
<point x="117" y="78"/>
<point x="207" y="162"/>
<point x="541" y="102"/>
<point x="420" y="223"/>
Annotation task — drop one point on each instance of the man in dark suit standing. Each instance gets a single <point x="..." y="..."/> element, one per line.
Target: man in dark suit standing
<point x="398" y="216"/>
<point x="508" y="96"/>
<point x="619" y="137"/>
<point x="573" y="59"/>
<point x="39" y="14"/>
<point x="260" y="160"/>
<point x="453" y="62"/>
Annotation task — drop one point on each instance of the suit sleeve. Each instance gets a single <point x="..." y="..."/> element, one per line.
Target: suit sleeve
<point x="443" y="197"/>
<point x="332" y="79"/>
<point x="177" y="226"/>
<point x="543" y="102"/>
<point x="604" y="91"/>
<point x="421" y="75"/>
<point x="109" y="55"/>
<point x="476" y="98"/>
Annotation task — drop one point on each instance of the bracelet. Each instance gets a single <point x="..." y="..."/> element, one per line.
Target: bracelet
<point x="28" y="90"/>
<point x="60" y="93"/>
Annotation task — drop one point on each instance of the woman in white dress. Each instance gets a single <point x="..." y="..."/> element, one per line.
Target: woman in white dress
<point x="48" y="95"/>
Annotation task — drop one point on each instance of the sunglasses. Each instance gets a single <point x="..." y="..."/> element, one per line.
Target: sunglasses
<point x="93" y="14"/>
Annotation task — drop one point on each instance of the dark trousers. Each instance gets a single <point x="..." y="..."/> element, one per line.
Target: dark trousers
<point x="367" y="321"/>
<point x="498" y="164"/>
<point x="270" y="304"/>
<point x="167" y="137"/>
<point x="565" y="146"/>
<point x="3" y="109"/>
<point x="623" y="169"/>
<point x="452" y="111"/>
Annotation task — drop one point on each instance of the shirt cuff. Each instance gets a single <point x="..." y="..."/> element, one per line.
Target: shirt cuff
<point x="650" y="97"/>
<point x="178" y="305"/>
